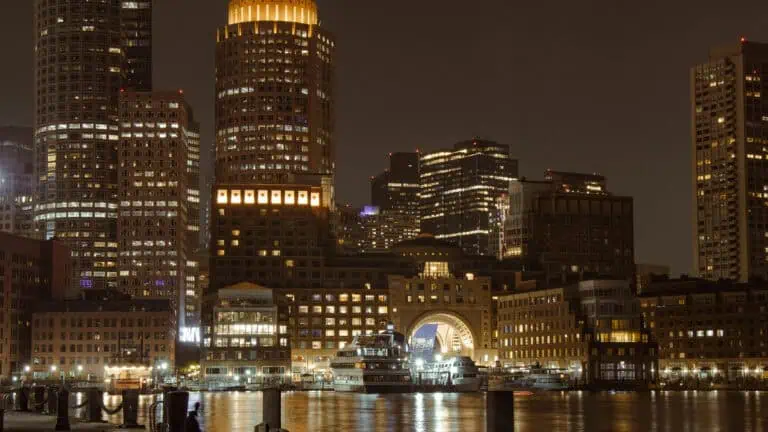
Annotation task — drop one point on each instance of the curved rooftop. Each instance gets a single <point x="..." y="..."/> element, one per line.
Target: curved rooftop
<point x="293" y="11"/>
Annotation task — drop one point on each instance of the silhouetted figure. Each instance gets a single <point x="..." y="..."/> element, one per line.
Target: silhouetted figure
<point x="191" y="424"/>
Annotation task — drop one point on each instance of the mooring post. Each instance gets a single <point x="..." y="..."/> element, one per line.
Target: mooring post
<point x="62" y="411"/>
<point x="176" y="407"/>
<point x="499" y="411"/>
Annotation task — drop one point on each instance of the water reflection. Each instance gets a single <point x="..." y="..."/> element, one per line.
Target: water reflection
<point x="434" y="412"/>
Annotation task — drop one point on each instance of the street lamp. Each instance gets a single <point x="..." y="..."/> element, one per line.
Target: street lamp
<point x="27" y="368"/>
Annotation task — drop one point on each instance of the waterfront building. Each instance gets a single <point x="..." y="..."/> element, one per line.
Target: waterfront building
<point x="570" y="224"/>
<point x="79" y="338"/>
<point x="17" y="181"/>
<point x="458" y="189"/>
<point x="274" y="92"/>
<point x="730" y="162"/>
<point x="708" y="331"/>
<point x="593" y="330"/>
<point x="30" y="271"/>
<point x="244" y="339"/>
<point x="159" y="197"/>
<point x="452" y="312"/>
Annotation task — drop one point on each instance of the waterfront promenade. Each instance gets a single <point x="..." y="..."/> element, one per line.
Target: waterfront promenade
<point x="35" y="422"/>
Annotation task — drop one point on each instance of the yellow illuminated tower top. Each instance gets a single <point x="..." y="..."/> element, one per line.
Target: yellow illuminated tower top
<point x="295" y="11"/>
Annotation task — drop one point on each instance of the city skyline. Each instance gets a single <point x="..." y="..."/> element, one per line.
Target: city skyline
<point x="439" y="117"/>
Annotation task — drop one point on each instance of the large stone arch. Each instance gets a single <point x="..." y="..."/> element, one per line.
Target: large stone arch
<point x="461" y="329"/>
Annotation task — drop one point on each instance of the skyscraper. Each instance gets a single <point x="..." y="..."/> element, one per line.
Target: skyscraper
<point x="459" y="188"/>
<point x="570" y="223"/>
<point x="136" y="36"/>
<point x="159" y="196"/>
<point x="274" y="93"/>
<point x="78" y="73"/>
<point x="16" y="180"/>
<point x="397" y="188"/>
<point x="729" y="143"/>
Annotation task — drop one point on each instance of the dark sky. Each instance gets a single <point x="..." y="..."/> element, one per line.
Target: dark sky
<point x="590" y="85"/>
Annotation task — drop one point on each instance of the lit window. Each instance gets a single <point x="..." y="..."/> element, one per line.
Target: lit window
<point x="220" y="252"/>
<point x="263" y="197"/>
<point x="315" y="199"/>
<point x="235" y="197"/>
<point x="290" y="197"/>
<point x="236" y="233"/>
<point x="303" y="198"/>
<point x="277" y="197"/>
<point x="235" y="242"/>
<point x="221" y="196"/>
<point x="250" y="197"/>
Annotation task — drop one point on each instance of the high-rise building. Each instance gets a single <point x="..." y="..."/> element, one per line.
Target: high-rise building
<point x="78" y="74"/>
<point x="274" y="92"/>
<point x="397" y="188"/>
<point x="136" y="36"/>
<point x="729" y="135"/>
<point x="275" y="235"/>
<point x="570" y="223"/>
<point x="159" y="196"/>
<point x="16" y="180"/>
<point x="459" y="188"/>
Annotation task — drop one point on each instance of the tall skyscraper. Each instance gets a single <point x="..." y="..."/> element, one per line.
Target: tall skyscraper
<point x="136" y="35"/>
<point x="159" y="196"/>
<point x="729" y="143"/>
<point x="459" y="188"/>
<point x="570" y="223"/>
<point x="397" y="188"/>
<point x="274" y="92"/>
<point x="78" y="73"/>
<point x="16" y="180"/>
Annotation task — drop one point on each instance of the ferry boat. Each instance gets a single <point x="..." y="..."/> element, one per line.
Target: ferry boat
<point x="457" y="373"/>
<point x="373" y="364"/>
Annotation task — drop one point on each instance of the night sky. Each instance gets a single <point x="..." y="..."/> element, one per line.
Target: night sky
<point x="594" y="86"/>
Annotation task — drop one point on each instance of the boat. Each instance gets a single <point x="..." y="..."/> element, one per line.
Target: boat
<point x="373" y="364"/>
<point x="531" y="380"/>
<point x="456" y="373"/>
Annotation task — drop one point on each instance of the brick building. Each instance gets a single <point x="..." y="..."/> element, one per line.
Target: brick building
<point x="30" y="271"/>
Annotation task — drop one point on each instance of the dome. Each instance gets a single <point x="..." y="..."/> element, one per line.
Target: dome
<point x="295" y="11"/>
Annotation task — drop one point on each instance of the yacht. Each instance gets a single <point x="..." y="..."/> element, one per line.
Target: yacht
<point x="373" y="364"/>
<point x="457" y="373"/>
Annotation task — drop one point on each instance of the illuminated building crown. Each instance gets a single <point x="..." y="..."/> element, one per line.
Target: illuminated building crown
<point x="295" y="11"/>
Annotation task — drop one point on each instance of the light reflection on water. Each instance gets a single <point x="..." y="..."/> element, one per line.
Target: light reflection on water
<point x="434" y="412"/>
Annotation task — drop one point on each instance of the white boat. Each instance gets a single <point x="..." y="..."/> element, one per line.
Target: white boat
<point x="534" y="380"/>
<point x="373" y="364"/>
<point x="457" y="373"/>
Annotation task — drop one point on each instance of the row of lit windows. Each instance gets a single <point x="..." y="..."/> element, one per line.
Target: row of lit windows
<point x="263" y="196"/>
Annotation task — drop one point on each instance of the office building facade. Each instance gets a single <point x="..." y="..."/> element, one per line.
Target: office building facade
<point x="136" y="37"/>
<point x="274" y="92"/>
<point x="30" y="271"/>
<point x="159" y="198"/>
<point x="17" y="181"/>
<point x="593" y="331"/>
<point x="711" y="332"/>
<point x="730" y="163"/>
<point x="84" y="53"/>
<point x="458" y="192"/>
<point x="570" y="224"/>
